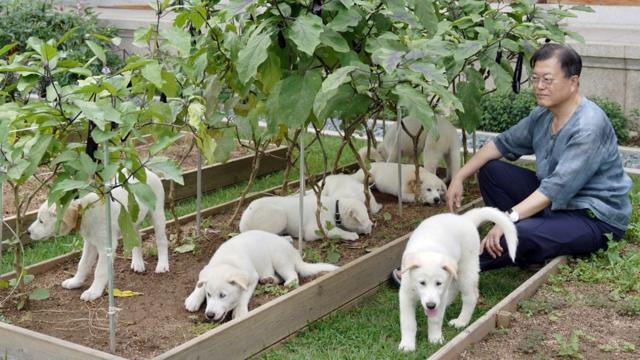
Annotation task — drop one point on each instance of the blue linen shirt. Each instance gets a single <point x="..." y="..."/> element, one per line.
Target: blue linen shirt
<point x="579" y="167"/>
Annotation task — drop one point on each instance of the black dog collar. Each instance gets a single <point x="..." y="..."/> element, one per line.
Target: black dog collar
<point x="337" y="217"/>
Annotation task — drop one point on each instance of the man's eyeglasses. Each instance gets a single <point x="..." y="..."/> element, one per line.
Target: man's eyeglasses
<point x="546" y="81"/>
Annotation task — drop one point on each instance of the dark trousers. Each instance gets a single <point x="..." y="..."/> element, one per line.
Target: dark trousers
<point x="546" y="234"/>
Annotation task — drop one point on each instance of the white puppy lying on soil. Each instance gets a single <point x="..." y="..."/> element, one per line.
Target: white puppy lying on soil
<point x="279" y="215"/>
<point x="384" y="175"/>
<point x="90" y="212"/>
<point x="446" y="146"/>
<point x="229" y="279"/>
<point x="441" y="258"/>
<point x="346" y="186"/>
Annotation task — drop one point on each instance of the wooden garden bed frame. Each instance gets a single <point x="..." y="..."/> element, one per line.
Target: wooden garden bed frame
<point x="213" y="177"/>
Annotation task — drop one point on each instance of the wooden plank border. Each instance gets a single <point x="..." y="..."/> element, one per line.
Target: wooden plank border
<point x="487" y="322"/>
<point x="214" y="177"/>
<point x="281" y="317"/>
<point x="17" y="343"/>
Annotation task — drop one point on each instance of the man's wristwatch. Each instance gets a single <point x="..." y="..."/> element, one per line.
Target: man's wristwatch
<point x="513" y="215"/>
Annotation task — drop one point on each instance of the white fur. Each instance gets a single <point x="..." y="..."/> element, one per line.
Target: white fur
<point x="446" y="145"/>
<point x="279" y="215"/>
<point x="94" y="232"/>
<point x="442" y="257"/>
<point x="228" y="281"/>
<point x="346" y="186"/>
<point x="384" y="175"/>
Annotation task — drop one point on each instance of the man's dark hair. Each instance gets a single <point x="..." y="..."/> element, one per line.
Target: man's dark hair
<point x="570" y="61"/>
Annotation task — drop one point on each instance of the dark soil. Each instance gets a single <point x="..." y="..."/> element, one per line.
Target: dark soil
<point x="176" y="152"/>
<point x="156" y="321"/>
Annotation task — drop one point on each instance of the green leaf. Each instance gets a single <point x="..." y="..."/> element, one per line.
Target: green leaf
<point x="142" y="36"/>
<point x="235" y="7"/>
<point x="179" y="39"/>
<point x="166" y="168"/>
<point x="4" y="284"/>
<point x="27" y="279"/>
<point x="81" y="71"/>
<point x="305" y="33"/>
<point x="334" y="40"/>
<point x="337" y="78"/>
<point x="470" y="92"/>
<point x="253" y="54"/>
<point x="98" y="113"/>
<point x="98" y="51"/>
<point x="185" y="248"/>
<point x="129" y="234"/>
<point x="416" y="104"/>
<point x="68" y="185"/>
<point x="153" y="73"/>
<point x="144" y="193"/>
<point x="5" y="49"/>
<point x="170" y="85"/>
<point x="333" y="257"/>
<point x="342" y="103"/>
<point x="39" y="294"/>
<point x="345" y="20"/>
<point x="387" y="58"/>
<point x="36" y="153"/>
<point x="426" y="15"/>
<point x="386" y="216"/>
<point x="19" y="68"/>
<point x="163" y="143"/>
<point x="466" y="50"/>
<point x="292" y="99"/>
<point x="430" y="72"/>
<point x="269" y="73"/>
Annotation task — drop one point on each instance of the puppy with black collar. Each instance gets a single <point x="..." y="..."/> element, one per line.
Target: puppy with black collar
<point x="280" y="215"/>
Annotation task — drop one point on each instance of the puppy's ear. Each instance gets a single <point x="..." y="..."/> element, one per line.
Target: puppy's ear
<point x="451" y="267"/>
<point x="200" y="284"/>
<point x="409" y="262"/>
<point x="443" y="190"/>
<point x="357" y="216"/>
<point x="240" y="279"/>
<point x="70" y="218"/>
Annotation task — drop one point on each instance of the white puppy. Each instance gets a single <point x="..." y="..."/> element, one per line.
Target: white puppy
<point x="90" y="213"/>
<point x="279" y="215"/>
<point x="384" y="176"/>
<point x="441" y="258"/>
<point x="346" y="186"/>
<point x="446" y="145"/>
<point x="231" y="276"/>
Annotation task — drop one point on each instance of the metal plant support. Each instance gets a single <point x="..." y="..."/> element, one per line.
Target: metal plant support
<point x="398" y="149"/>
<point x="198" y="192"/>
<point x="109" y="250"/>
<point x="301" y="196"/>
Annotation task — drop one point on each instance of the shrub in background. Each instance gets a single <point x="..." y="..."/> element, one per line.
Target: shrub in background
<point x="500" y="111"/>
<point x="20" y="20"/>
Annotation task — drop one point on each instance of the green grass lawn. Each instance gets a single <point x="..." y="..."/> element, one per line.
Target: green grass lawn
<point x="372" y="330"/>
<point x="43" y="250"/>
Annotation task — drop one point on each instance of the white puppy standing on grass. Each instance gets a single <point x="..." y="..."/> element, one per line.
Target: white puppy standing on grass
<point x="442" y="257"/>
<point x="280" y="215"/>
<point x="90" y="213"/>
<point x="384" y="176"/>
<point x="228" y="281"/>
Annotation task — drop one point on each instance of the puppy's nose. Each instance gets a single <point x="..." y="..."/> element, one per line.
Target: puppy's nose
<point x="436" y="200"/>
<point x="209" y="315"/>
<point x="431" y="305"/>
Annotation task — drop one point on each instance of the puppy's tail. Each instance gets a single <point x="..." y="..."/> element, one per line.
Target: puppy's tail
<point x="308" y="269"/>
<point x="481" y="215"/>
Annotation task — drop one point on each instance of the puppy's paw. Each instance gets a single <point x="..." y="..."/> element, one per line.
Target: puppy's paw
<point x="351" y="236"/>
<point x="72" y="283"/>
<point x="458" y="323"/>
<point x="137" y="265"/>
<point x="407" y="346"/>
<point x="192" y="304"/>
<point x="269" y="279"/>
<point x="162" y="267"/>
<point x="90" y="294"/>
<point x="436" y="339"/>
